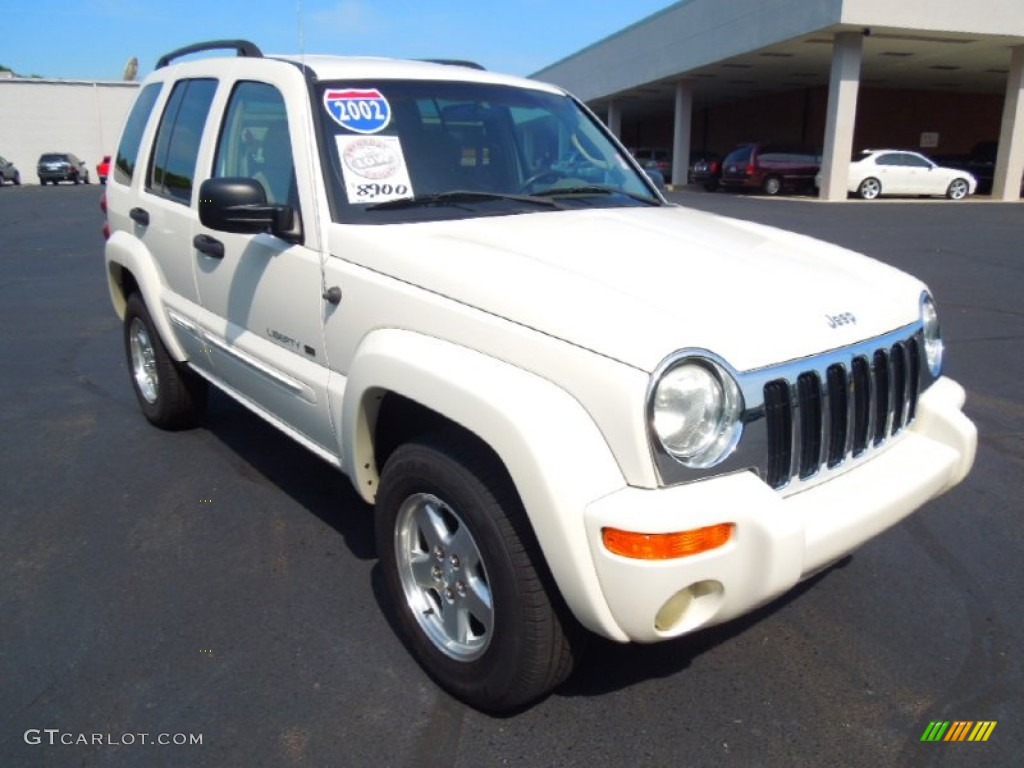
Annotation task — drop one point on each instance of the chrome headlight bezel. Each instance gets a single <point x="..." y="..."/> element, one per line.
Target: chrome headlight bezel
<point x="934" y="347"/>
<point x="714" y="437"/>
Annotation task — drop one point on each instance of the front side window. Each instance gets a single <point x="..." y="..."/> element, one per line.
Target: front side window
<point x="915" y="161"/>
<point x="423" y="150"/>
<point x="173" y="164"/>
<point x="255" y="142"/>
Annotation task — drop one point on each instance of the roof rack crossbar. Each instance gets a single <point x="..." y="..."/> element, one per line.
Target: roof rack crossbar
<point x="455" y="63"/>
<point x="243" y="47"/>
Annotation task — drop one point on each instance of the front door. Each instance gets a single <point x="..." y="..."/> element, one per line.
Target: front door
<point x="262" y="298"/>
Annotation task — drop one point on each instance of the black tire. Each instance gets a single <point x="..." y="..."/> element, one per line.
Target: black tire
<point x="17" y="179"/>
<point x="530" y="644"/>
<point x="170" y="395"/>
<point x="87" y="178"/>
<point x="772" y="185"/>
<point x="76" y="179"/>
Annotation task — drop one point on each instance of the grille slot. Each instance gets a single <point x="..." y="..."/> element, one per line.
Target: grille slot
<point x="808" y="387"/>
<point x="825" y="416"/>
<point x="779" y="416"/>
<point x="838" y="410"/>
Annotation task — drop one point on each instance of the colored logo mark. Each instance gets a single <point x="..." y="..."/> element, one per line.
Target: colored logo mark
<point x="359" y="110"/>
<point x="958" y="730"/>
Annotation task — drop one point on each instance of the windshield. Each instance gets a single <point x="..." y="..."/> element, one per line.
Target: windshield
<point x="427" y="150"/>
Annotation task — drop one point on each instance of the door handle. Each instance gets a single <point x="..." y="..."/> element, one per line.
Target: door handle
<point x="139" y="216"/>
<point x="209" y="246"/>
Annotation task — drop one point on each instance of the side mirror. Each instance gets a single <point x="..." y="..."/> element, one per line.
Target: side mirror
<point x="240" y="205"/>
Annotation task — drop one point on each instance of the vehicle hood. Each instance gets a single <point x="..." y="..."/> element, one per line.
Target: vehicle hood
<point x="638" y="284"/>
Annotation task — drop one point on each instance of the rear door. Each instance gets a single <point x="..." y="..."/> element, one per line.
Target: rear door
<point x="893" y="174"/>
<point x="162" y="213"/>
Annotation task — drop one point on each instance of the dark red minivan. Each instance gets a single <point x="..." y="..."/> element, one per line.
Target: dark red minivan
<point x="771" y="168"/>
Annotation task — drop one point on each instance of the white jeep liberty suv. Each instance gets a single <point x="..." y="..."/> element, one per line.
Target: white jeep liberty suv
<point x="575" y="407"/>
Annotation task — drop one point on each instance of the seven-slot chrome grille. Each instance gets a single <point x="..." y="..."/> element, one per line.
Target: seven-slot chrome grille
<point x="810" y="419"/>
<point x="826" y="416"/>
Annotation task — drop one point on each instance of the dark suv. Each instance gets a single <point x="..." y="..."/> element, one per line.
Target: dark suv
<point x="771" y="168"/>
<point x="62" y="166"/>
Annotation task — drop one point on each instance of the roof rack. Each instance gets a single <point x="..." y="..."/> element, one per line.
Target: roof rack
<point x="456" y="63"/>
<point x="243" y="47"/>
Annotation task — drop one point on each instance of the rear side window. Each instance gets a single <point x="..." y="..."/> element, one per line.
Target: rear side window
<point x="173" y="165"/>
<point x="131" y="138"/>
<point x="739" y="156"/>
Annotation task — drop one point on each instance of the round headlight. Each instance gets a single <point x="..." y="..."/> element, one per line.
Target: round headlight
<point x="933" y="346"/>
<point x="696" y="408"/>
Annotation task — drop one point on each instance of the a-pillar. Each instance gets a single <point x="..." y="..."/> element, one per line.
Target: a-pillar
<point x="844" y="84"/>
<point x="1010" y="158"/>
<point x="614" y="121"/>
<point x="681" y="133"/>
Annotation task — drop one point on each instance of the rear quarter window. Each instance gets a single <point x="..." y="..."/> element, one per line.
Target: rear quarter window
<point x="131" y="137"/>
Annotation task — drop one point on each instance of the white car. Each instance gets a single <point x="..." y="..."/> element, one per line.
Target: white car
<point x="572" y="405"/>
<point x="899" y="172"/>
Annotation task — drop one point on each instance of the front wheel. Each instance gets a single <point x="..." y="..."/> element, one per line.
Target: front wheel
<point x="958" y="189"/>
<point x="869" y="189"/>
<point x="170" y="395"/>
<point x="466" y="578"/>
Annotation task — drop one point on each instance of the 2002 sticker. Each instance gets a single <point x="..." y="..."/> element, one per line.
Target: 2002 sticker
<point x="361" y="110"/>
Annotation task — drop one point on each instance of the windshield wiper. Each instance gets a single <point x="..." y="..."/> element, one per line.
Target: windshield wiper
<point x="595" y="189"/>
<point x="459" y="196"/>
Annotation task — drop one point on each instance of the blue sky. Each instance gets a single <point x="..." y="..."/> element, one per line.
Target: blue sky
<point x="93" y="39"/>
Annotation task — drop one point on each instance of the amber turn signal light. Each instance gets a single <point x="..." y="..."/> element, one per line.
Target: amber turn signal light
<point x="665" y="546"/>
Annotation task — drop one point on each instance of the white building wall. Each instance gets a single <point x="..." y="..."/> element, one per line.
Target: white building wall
<point x="38" y="116"/>
<point x="976" y="17"/>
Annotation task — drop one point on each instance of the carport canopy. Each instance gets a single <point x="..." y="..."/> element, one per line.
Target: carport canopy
<point x="703" y="54"/>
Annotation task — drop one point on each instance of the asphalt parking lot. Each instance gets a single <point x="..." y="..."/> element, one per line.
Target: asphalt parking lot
<point x="221" y="582"/>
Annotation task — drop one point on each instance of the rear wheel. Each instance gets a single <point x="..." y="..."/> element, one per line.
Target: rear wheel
<point x="958" y="189"/>
<point x="869" y="189"/>
<point x="772" y="185"/>
<point x="170" y="395"/>
<point x="466" y="576"/>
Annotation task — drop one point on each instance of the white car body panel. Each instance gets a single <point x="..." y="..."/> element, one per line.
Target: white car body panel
<point x="637" y="285"/>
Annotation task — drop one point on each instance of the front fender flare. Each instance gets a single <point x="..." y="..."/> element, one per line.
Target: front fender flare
<point x="555" y="454"/>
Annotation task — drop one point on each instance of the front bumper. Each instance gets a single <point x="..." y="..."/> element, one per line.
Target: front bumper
<point x="777" y="541"/>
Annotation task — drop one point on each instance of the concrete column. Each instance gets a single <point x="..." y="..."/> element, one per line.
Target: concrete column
<point x="681" y="133"/>
<point x="842" y="115"/>
<point x="1010" y="158"/>
<point x="614" y="120"/>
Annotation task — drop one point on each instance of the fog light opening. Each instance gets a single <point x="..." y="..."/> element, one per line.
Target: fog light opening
<point x="688" y="608"/>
